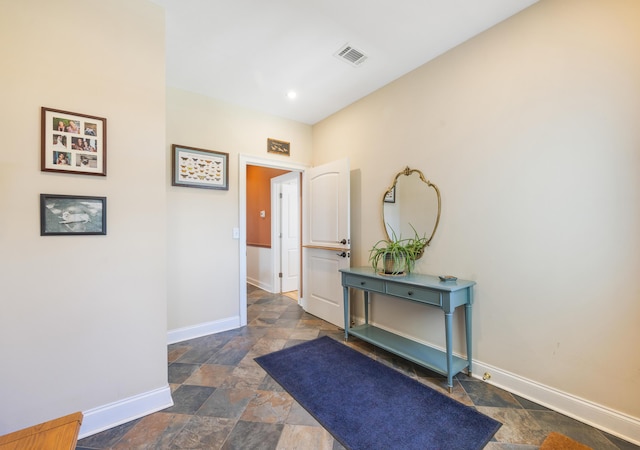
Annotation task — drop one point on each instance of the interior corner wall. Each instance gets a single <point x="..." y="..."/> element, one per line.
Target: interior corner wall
<point x="530" y="130"/>
<point x="83" y="320"/>
<point x="203" y="291"/>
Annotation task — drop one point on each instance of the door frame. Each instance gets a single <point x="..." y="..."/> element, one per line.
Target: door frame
<point x="244" y="161"/>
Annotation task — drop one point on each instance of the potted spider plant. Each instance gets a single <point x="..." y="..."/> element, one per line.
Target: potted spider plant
<point x="418" y="243"/>
<point x="396" y="255"/>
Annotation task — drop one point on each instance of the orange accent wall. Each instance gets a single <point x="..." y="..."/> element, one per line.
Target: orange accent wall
<point x="259" y="199"/>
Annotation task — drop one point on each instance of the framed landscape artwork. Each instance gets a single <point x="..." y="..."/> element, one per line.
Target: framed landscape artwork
<point x="72" y="214"/>
<point x="280" y="147"/>
<point x="73" y="143"/>
<point x="199" y="168"/>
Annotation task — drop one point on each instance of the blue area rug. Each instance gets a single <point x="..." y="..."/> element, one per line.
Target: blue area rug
<point x="367" y="405"/>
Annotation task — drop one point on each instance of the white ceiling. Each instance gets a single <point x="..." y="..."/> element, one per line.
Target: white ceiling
<point x="253" y="52"/>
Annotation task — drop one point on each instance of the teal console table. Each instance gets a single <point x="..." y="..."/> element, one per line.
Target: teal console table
<point x="424" y="289"/>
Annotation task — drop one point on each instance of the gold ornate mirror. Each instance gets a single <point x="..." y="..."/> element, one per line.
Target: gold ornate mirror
<point x="411" y="202"/>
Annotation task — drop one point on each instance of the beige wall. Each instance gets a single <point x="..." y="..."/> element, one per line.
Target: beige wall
<point x="531" y="132"/>
<point x="83" y="318"/>
<point x="203" y="256"/>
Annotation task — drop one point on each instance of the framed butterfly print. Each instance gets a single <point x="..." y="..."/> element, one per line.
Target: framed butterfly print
<point x="199" y="168"/>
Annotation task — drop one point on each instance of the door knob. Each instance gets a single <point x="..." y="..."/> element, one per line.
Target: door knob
<point x="343" y="242"/>
<point x="343" y="254"/>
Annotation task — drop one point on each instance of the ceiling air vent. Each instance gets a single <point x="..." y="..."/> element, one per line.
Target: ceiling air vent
<point x="351" y="55"/>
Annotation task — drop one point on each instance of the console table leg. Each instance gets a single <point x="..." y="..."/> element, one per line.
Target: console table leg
<point x="345" y="295"/>
<point x="468" y="325"/>
<point x="366" y="307"/>
<point x="448" y="325"/>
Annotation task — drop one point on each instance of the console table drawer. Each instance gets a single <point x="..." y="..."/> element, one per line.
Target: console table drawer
<point x="415" y="293"/>
<point x="364" y="283"/>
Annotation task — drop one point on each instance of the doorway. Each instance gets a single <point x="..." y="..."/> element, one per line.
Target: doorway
<point x="246" y="161"/>
<point x="286" y="233"/>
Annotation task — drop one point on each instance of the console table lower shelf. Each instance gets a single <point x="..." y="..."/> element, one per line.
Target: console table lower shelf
<point x="423" y="355"/>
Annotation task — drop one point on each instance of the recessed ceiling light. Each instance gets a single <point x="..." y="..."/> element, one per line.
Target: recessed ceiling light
<point x="291" y="95"/>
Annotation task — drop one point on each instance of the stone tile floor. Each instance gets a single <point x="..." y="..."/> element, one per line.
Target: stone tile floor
<point x="224" y="400"/>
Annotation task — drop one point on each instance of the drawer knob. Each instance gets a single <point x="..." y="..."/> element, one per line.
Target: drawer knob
<point x="362" y="283"/>
<point x="410" y="293"/>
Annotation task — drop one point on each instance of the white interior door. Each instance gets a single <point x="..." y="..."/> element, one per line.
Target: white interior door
<point x="326" y="239"/>
<point x="286" y="230"/>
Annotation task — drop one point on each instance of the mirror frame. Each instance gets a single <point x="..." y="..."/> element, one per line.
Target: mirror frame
<point x="406" y="172"/>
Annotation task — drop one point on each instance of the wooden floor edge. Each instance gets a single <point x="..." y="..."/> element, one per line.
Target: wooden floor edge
<point x="43" y="427"/>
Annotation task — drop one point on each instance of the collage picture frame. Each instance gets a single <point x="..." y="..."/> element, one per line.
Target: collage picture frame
<point x="73" y="143"/>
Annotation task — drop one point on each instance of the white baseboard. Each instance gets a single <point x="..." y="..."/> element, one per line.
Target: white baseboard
<point x="108" y="416"/>
<point x="260" y="284"/>
<point x="613" y="422"/>
<point x="202" y="329"/>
